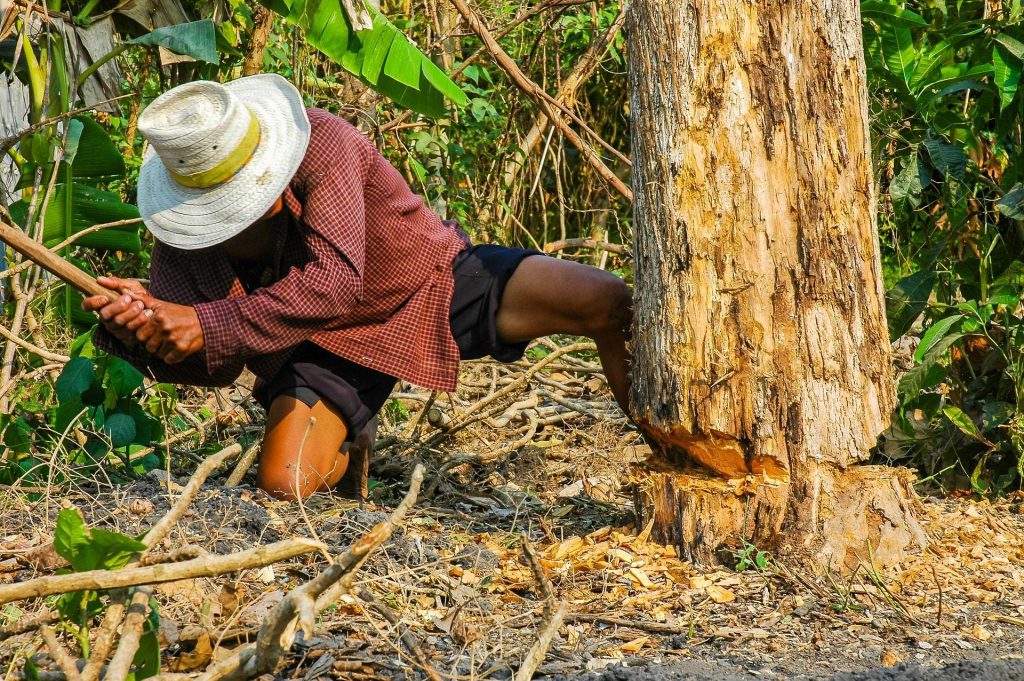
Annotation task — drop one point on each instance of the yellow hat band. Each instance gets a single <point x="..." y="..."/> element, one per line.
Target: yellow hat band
<point x="231" y="164"/>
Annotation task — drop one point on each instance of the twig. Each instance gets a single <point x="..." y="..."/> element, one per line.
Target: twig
<point x="302" y="604"/>
<point x="131" y="635"/>
<point x="163" y="526"/>
<point x="640" y="625"/>
<point x="938" y="584"/>
<point x="563" y="244"/>
<point x="539" y="651"/>
<point x="243" y="465"/>
<point x="31" y="347"/>
<point x="21" y="267"/>
<point x="552" y="618"/>
<point x="105" y="639"/>
<point x="27" y="624"/>
<point x="541" y="98"/>
<point x="60" y="654"/>
<point x="204" y="566"/>
<point x="404" y="633"/>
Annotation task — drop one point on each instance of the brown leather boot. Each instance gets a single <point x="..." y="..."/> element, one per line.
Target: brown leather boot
<point x="353" y="485"/>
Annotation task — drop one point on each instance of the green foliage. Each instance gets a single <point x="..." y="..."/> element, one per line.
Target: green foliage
<point x="196" y="39"/>
<point x="380" y="55"/>
<point x="86" y="548"/>
<point x="944" y="79"/>
<point x="102" y="416"/>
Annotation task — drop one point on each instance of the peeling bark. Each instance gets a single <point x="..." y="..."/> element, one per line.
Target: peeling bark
<point x="760" y="336"/>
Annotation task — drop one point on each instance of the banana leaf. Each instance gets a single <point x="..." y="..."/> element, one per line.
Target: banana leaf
<point x="382" y="57"/>
<point x="89" y="206"/>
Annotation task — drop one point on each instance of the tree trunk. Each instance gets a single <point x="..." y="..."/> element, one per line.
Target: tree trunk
<point x="760" y="337"/>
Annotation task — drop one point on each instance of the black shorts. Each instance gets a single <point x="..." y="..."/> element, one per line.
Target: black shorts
<point x="313" y="374"/>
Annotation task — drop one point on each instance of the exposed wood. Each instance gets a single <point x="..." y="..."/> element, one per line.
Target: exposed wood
<point x="563" y="244"/>
<point x="760" y="336"/>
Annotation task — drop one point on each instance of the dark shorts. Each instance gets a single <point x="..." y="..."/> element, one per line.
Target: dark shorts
<point x="312" y="373"/>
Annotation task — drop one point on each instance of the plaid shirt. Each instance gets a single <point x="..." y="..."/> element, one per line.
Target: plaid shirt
<point x="364" y="271"/>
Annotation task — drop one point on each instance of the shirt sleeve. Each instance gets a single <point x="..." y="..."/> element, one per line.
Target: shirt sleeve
<point x="283" y="314"/>
<point x="170" y="281"/>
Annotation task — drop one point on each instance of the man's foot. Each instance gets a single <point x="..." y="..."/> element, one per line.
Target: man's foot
<point x="354" y="484"/>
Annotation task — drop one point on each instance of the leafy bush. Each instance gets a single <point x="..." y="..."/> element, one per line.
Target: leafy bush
<point x="102" y="416"/>
<point x="945" y="113"/>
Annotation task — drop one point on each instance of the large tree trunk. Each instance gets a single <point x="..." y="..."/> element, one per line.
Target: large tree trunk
<point x="760" y="336"/>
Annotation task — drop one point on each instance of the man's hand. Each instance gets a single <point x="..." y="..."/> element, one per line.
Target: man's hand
<point x="169" y="331"/>
<point x="123" y="316"/>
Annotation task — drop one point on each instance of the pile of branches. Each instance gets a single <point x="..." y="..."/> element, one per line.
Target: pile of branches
<point x="130" y="592"/>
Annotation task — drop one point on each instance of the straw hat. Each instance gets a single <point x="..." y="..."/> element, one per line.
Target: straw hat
<point x="218" y="157"/>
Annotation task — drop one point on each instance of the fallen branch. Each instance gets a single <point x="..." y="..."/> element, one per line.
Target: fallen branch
<point x="28" y="624"/>
<point x="300" y="607"/>
<point x="640" y="625"/>
<point x="100" y="649"/>
<point x="131" y="635"/>
<point x="204" y="566"/>
<point x="564" y="244"/>
<point x="60" y="654"/>
<point x="163" y="526"/>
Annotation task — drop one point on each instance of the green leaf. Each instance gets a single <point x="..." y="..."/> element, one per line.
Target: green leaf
<point x="1007" y="72"/>
<point x="121" y="428"/>
<point x="17" y="434"/>
<point x="929" y="372"/>
<point x="403" y="62"/>
<point x="907" y="300"/>
<point x="1011" y="278"/>
<point x="908" y="185"/>
<point x="1014" y="46"/>
<point x="113" y="550"/>
<point x="196" y="39"/>
<point x="147" y="657"/>
<point x="933" y="59"/>
<point x="891" y="13"/>
<point x="948" y="159"/>
<point x="935" y="333"/>
<point x="898" y="51"/>
<point x="75" y="379"/>
<point x="382" y="57"/>
<point x="122" y="376"/>
<point x="1012" y="203"/>
<point x="69" y="536"/>
<point x="97" y="154"/>
<point x="962" y="421"/>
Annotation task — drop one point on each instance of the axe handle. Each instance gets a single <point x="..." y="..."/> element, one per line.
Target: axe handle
<point x="53" y="263"/>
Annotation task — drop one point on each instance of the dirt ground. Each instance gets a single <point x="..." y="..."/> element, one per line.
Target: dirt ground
<point x="455" y="578"/>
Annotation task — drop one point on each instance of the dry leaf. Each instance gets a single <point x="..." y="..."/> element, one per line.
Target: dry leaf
<point x="981" y="633"/>
<point x="634" y="645"/>
<point x="890" y="658"/>
<point x="719" y="594"/>
<point x="197" y="658"/>
<point x="642" y="577"/>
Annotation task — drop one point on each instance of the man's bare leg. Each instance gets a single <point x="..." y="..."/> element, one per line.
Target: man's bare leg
<point x="547" y="295"/>
<point x="322" y="463"/>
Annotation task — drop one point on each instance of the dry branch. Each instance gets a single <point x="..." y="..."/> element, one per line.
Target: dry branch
<point x="163" y="526"/>
<point x="551" y="621"/>
<point x="299" y="608"/>
<point x="243" y="465"/>
<point x="541" y="98"/>
<point x="564" y="244"/>
<point x="204" y="566"/>
<point x="105" y="639"/>
<point x="60" y="654"/>
<point x="131" y="635"/>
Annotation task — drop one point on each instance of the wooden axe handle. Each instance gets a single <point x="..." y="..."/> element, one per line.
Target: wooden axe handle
<point x="51" y="262"/>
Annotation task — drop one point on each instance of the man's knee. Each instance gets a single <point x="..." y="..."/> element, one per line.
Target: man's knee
<point x="610" y="306"/>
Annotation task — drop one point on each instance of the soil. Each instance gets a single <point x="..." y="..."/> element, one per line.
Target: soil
<point x="989" y="670"/>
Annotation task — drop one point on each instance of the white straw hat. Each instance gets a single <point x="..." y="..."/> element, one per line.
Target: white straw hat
<point x="218" y="157"/>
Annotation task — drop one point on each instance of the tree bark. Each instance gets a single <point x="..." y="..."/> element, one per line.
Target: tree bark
<point x="760" y="337"/>
<point x="263" y="23"/>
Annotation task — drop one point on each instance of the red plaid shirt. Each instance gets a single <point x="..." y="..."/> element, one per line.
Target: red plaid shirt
<point x="364" y="272"/>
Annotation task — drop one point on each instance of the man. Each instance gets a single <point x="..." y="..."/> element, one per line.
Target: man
<point x="286" y="243"/>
